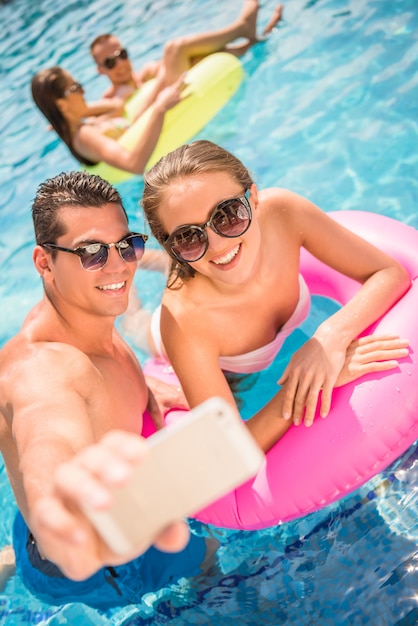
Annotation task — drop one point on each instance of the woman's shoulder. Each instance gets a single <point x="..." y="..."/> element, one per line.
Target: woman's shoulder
<point x="188" y="306"/>
<point x="277" y="203"/>
<point x="185" y="319"/>
<point x="284" y="204"/>
<point x="280" y="196"/>
<point x="181" y="300"/>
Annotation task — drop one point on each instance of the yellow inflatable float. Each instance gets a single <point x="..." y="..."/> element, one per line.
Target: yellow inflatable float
<point x="211" y="83"/>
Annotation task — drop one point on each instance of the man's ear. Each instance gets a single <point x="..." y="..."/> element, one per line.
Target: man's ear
<point x="42" y="261"/>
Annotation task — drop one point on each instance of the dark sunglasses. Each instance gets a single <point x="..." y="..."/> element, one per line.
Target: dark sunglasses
<point x="111" y="61"/>
<point x="94" y="256"/>
<point x="230" y="218"/>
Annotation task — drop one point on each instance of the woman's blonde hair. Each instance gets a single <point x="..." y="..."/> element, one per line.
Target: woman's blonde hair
<point x="194" y="158"/>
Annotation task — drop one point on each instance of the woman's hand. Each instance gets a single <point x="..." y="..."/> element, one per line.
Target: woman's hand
<point x="170" y="96"/>
<point x="372" y="353"/>
<point x="162" y="397"/>
<point x="313" y="369"/>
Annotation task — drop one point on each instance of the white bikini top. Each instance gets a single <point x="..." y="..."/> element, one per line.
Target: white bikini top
<point x="258" y="359"/>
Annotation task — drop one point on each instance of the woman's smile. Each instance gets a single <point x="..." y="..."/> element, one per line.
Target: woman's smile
<point x="228" y="257"/>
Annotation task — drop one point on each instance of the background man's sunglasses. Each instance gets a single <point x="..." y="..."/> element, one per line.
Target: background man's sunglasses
<point x="94" y="256"/>
<point x="111" y="61"/>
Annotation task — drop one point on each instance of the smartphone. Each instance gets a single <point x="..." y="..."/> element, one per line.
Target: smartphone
<point x="191" y="463"/>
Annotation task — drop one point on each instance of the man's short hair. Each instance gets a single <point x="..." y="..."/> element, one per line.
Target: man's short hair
<point x="100" y="39"/>
<point x="68" y="189"/>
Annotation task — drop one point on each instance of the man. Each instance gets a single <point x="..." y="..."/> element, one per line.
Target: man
<point x="66" y="380"/>
<point x="180" y="54"/>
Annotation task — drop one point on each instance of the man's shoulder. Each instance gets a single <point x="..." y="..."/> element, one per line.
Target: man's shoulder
<point x="110" y="92"/>
<point x="22" y="352"/>
<point x="41" y="339"/>
<point x="15" y="352"/>
<point x="37" y="369"/>
<point x="124" y="92"/>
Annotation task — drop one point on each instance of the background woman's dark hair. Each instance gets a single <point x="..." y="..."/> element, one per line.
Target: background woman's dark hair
<point x="47" y="86"/>
<point x="194" y="158"/>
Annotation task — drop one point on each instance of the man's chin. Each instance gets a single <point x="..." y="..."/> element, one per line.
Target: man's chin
<point x="123" y="80"/>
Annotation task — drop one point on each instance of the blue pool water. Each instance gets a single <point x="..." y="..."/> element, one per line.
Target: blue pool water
<point x="329" y="109"/>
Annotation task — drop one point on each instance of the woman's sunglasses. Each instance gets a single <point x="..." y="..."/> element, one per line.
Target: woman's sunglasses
<point x="94" y="256"/>
<point x="230" y="218"/>
<point x="75" y="88"/>
<point x="111" y="61"/>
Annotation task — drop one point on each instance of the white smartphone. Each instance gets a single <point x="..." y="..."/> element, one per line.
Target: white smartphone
<point x="190" y="464"/>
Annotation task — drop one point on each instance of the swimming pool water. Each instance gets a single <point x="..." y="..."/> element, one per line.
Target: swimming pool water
<point x="329" y="109"/>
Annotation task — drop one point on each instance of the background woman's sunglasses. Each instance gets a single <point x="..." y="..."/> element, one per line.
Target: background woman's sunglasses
<point x="74" y="88"/>
<point x="231" y="218"/>
<point x="111" y="61"/>
<point x="94" y="256"/>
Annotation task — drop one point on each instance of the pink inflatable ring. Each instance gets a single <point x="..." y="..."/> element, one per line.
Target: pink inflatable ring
<point x="371" y="423"/>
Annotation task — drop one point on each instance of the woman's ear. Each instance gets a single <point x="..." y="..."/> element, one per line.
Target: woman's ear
<point x="62" y="105"/>
<point x="42" y="261"/>
<point x="254" y="196"/>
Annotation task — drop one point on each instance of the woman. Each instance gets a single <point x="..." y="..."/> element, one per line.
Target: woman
<point x="235" y="293"/>
<point x="91" y="131"/>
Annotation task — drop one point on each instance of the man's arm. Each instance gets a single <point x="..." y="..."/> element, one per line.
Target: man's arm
<point x="87" y="480"/>
<point x="94" y="145"/>
<point x="54" y="428"/>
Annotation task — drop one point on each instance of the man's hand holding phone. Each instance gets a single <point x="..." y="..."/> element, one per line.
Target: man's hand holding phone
<point x="116" y="498"/>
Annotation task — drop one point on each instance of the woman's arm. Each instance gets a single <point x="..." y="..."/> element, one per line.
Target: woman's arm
<point x="317" y="365"/>
<point x="92" y="144"/>
<point x="157" y="88"/>
<point x="107" y="107"/>
<point x="192" y="346"/>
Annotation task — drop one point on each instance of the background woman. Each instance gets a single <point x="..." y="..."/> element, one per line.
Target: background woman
<point x="91" y="131"/>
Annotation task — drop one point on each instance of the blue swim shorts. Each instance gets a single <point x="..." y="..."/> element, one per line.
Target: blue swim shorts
<point x="110" y="586"/>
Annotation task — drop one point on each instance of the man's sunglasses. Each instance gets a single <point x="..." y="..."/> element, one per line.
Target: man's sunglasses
<point x="94" y="256"/>
<point x="230" y="218"/>
<point x="111" y="61"/>
<point x="75" y="88"/>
